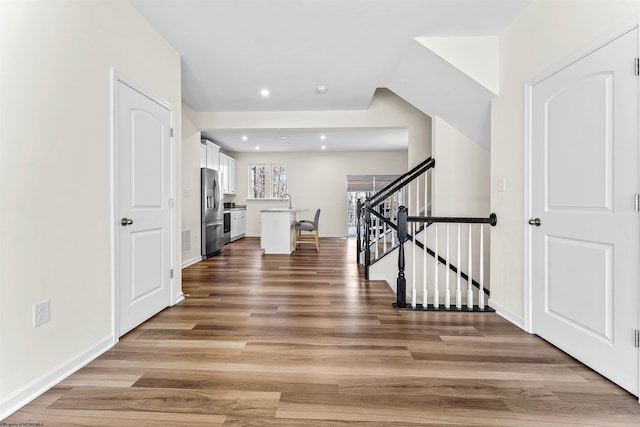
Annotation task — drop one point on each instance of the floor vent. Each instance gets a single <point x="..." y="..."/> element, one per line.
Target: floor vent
<point x="186" y="241"/>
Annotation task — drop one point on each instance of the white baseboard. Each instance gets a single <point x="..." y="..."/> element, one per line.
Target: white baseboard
<point x="191" y="261"/>
<point x="178" y="298"/>
<point x="508" y="315"/>
<point x="38" y="386"/>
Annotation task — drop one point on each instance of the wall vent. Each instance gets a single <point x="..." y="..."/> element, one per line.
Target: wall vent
<point x="186" y="241"/>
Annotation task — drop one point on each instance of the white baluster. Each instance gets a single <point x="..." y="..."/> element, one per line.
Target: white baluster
<point x="425" y="293"/>
<point x="436" y="291"/>
<point x="413" y="275"/>
<point x="447" y="291"/>
<point x="459" y="267"/>
<point x="376" y="221"/>
<point x="384" y="235"/>
<point x="470" y="273"/>
<point x="481" y="291"/>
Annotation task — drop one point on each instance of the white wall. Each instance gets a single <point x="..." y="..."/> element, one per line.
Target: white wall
<point x="546" y="33"/>
<point x="55" y="177"/>
<point x="191" y="183"/>
<point x="315" y="181"/>
<point x="461" y="175"/>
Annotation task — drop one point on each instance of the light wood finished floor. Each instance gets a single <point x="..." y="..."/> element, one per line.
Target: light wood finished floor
<point x="303" y="340"/>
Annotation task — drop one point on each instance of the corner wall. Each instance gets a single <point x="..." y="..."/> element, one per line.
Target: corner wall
<point x="56" y="219"/>
<point x="461" y="177"/>
<point x="191" y="137"/>
<point x="547" y="32"/>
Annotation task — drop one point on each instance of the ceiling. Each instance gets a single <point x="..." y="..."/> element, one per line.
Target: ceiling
<point x="232" y="49"/>
<point x="310" y="140"/>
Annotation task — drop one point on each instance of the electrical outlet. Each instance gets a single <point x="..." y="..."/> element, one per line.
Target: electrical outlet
<point x="40" y="313"/>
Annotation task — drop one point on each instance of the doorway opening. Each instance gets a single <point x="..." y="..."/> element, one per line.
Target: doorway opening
<point x="359" y="187"/>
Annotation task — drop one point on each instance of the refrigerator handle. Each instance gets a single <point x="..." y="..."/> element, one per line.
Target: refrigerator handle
<point x="216" y="201"/>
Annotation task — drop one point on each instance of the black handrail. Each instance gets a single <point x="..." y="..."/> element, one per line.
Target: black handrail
<point x="403" y="176"/>
<point x="493" y="219"/>
<point x="410" y="176"/>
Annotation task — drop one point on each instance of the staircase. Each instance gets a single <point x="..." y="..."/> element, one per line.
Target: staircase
<point x="441" y="259"/>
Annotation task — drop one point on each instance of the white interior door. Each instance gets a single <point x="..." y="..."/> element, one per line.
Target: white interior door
<point x="584" y="253"/>
<point x="143" y="185"/>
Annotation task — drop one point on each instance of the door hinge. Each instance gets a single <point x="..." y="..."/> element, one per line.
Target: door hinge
<point x="637" y="206"/>
<point x="171" y="274"/>
<point x="637" y="66"/>
<point x="171" y="203"/>
<point x="637" y="341"/>
<point x="171" y="129"/>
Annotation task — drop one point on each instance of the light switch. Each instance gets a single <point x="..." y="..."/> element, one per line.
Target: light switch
<point x="501" y="185"/>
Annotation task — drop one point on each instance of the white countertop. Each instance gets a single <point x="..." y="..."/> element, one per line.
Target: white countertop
<point x="294" y="210"/>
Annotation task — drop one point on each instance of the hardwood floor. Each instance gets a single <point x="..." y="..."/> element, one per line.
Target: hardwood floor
<point x="304" y="340"/>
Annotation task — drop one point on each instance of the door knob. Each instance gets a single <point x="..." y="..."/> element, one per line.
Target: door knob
<point x="535" y="221"/>
<point x="126" y="221"/>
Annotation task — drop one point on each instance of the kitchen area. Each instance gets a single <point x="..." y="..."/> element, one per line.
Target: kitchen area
<point x="222" y="221"/>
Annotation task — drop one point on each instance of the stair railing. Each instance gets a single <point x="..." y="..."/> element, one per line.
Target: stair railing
<point x="441" y="262"/>
<point x="376" y="227"/>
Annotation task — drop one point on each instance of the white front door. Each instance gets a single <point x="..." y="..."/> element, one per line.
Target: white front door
<point x="143" y="193"/>
<point x="584" y="171"/>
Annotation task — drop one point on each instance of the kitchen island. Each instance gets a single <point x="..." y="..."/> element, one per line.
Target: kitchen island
<point x="277" y="230"/>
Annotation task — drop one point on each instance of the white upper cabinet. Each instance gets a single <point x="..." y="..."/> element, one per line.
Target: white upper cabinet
<point x="228" y="170"/>
<point x="232" y="175"/>
<point x="211" y="156"/>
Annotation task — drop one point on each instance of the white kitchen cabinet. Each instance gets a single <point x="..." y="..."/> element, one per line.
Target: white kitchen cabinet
<point x="224" y="173"/>
<point x="203" y="155"/>
<point x="211" y="156"/>
<point x="228" y="170"/>
<point x="242" y="223"/>
<point x="238" y="224"/>
<point x="232" y="175"/>
<point x="234" y="225"/>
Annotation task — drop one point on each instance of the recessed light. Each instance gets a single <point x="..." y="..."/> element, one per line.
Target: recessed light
<point x="244" y="137"/>
<point x="264" y="92"/>
<point x="283" y="137"/>
<point x="324" y="147"/>
<point x="323" y="137"/>
<point x="322" y="89"/>
<point x="257" y="148"/>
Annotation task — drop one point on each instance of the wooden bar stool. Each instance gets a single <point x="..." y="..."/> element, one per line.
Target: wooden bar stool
<point x="308" y="226"/>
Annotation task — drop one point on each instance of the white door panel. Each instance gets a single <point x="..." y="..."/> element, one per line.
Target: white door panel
<point x="584" y="178"/>
<point x="143" y="192"/>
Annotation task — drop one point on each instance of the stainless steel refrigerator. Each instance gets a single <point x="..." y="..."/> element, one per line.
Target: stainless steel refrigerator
<point x="212" y="213"/>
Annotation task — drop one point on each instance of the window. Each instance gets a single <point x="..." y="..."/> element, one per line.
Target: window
<point x="278" y="181"/>
<point x="257" y="182"/>
<point x="267" y="181"/>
